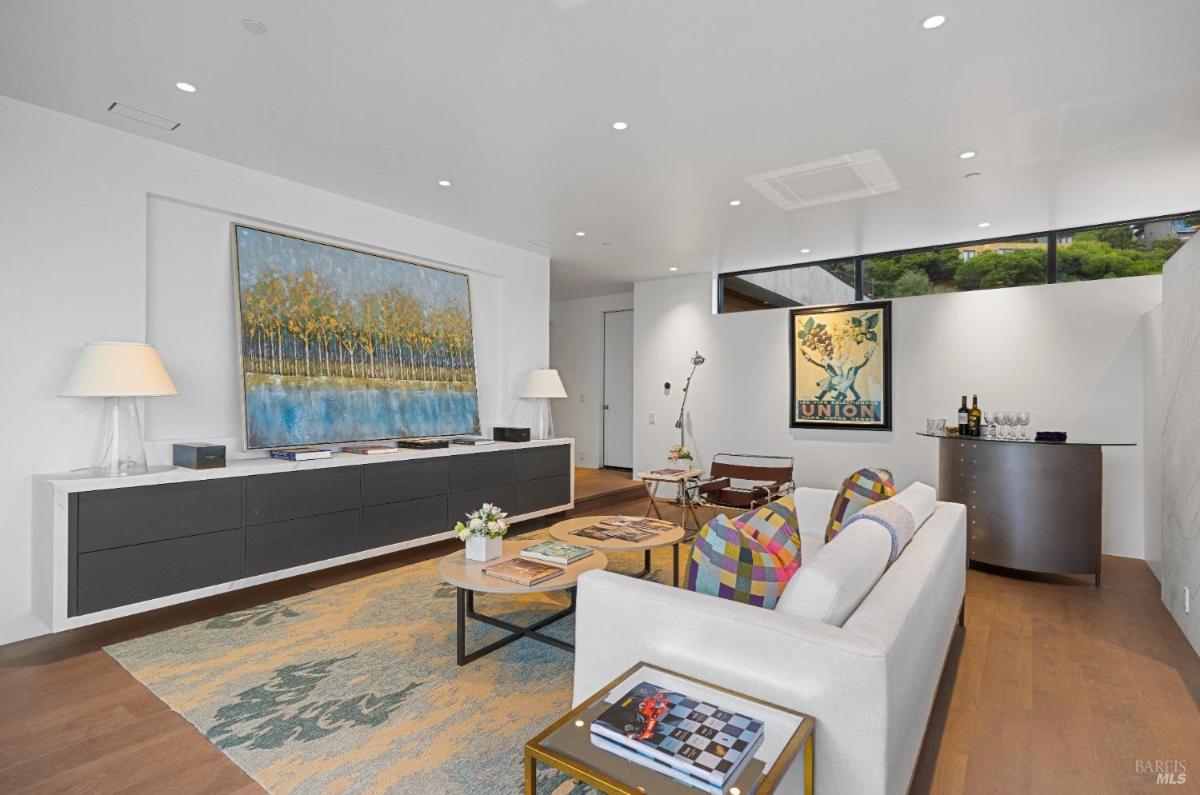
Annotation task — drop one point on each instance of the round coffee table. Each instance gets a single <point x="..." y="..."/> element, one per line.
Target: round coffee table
<point x="564" y="531"/>
<point x="467" y="577"/>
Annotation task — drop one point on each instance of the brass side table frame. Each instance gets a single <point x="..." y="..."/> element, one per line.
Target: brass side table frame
<point x="801" y="741"/>
<point x="683" y="483"/>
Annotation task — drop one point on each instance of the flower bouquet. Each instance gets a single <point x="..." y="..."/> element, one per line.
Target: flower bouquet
<point x="679" y="453"/>
<point x="483" y="531"/>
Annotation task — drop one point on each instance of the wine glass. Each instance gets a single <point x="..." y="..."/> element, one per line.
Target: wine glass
<point x="1023" y="420"/>
<point x="1009" y="418"/>
<point x="989" y="428"/>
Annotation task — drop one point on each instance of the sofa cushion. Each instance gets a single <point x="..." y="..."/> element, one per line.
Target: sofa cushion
<point x="831" y="585"/>
<point x="862" y="488"/>
<point x="748" y="559"/>
<point x="920" y="499"/>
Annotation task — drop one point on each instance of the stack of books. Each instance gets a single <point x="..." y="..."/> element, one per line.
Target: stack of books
<point x="694" y="742"/>
<point x="522" y="571"/>
<point x="556" y="552"/>
<point x="302" y="453"/>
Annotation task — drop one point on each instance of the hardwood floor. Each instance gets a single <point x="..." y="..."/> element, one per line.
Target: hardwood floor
<point x="1054" y="686"/>
<point x="593" y="484"/>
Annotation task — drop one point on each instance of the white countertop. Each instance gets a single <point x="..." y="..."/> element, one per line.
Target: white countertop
<point x="240" y="467"/>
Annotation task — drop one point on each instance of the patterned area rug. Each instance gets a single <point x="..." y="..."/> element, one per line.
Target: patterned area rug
<point x="354" y="688"/>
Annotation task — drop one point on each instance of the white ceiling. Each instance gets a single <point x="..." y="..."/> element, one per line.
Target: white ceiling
<point x="1081" y="111"/>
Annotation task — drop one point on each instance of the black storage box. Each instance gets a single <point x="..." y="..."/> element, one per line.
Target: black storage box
<point x="510" y="434"/>
<point x="200" y="455"/>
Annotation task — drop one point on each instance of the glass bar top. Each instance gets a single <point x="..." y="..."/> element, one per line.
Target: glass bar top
<point x="992" y="440"/>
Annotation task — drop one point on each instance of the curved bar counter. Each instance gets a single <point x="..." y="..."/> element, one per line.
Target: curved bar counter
<point x="1032" y="506"/>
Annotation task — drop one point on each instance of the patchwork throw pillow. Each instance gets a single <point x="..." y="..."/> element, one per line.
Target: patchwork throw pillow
<point x="748" y="559"/>
<point x="865" y="487"/>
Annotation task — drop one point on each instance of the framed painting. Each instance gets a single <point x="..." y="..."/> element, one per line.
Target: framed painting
<point x="340" y="345"/>
<point x="841" y="359"/>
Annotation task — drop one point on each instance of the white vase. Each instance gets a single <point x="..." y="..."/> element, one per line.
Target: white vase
<point x="483" y="549"/>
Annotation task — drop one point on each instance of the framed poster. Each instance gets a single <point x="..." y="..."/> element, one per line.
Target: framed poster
<point x="841" y="366"/>
<point x="340" y="345"/>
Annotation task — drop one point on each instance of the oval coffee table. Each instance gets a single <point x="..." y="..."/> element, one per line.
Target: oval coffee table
<point x="467" y="577"/>
<point x="563" y="531"/>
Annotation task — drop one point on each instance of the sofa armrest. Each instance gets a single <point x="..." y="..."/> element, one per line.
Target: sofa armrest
<point x="836" y="675"/>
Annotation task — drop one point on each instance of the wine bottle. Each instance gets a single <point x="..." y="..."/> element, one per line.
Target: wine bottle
<point x="974" y="417"/>
<point x="963" y="417"/>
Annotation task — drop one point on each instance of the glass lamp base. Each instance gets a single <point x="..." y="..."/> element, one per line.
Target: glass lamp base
<point x="120" y="447"/>
<point x="542" y="424"/>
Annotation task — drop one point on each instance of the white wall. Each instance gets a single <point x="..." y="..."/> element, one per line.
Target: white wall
<point x="1181" y="438"/>
<point x="1071" y="354"/>
<point x="577" y="352"/>
<point x="1152" y="436"/>
<point x="107" y="235"/>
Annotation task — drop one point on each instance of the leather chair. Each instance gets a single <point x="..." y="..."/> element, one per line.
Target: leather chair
<point x="744" y="482"/>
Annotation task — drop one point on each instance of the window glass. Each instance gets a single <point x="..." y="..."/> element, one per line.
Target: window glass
<point x="1110" y="252"/>
<point x="974" y="266"/>
<point x="802" y="285"/>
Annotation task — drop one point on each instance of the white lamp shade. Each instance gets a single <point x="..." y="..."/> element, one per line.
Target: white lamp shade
<point x="118" y="369"/>
<point x="543" y="384"/>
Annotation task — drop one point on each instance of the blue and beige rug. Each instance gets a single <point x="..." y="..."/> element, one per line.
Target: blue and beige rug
<point x="354" y="688"/>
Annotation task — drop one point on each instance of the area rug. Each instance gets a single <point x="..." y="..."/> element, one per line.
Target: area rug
<point x="354" y="688"/>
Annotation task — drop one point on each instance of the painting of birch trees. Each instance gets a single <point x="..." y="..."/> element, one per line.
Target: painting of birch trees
<point x="340" y="345"/>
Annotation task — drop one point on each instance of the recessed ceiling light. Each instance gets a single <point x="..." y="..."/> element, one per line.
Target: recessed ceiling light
<point x="672" y="269"/>
<point x="970" y="174"/>
<point x="445" y="183"/>
<point x="187" y="88"/>
<point x="620" y="125"/>
<point x="581" y="233"/>
<point x="967" y="155"/>
<point x="806" y="251"/>
<point x="736" y="203"/>
<point x="935" y="21"/>
<point x="254" y="26"/>
<point x="984" y="224"/>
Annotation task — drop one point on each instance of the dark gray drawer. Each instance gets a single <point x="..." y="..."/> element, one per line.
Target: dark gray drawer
<point x="120" y="517"/>
<point x="536" y="495"/>
<point x="477" y="470"/>
<point x="404" y="521"/>
<point x="281" y="545"/>
<point x="115" y="577"/>
<point x="543" y="462"/>
<point x="464" y="502"/>
<point x="397" y="481"/>
<point x="291" y="495"/>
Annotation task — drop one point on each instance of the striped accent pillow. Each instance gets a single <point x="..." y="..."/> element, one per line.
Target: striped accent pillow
<point x="862" y="488"/>
<point x="748" y="559"/>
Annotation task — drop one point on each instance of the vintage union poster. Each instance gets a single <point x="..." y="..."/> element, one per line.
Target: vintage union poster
<point x="841" y="366"/>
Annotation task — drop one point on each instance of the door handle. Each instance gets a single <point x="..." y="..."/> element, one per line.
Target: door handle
<point x="606" y="407"/>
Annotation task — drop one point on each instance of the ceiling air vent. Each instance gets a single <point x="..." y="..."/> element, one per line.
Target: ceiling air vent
<point x="835" y="179"/>
<point x="133" y="113"/>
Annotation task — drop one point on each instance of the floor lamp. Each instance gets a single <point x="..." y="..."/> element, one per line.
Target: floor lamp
<point x="119" y="372"/>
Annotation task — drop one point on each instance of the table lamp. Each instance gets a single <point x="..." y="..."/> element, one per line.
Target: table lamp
<point x="119" y="372"/>
<point x="540" y="386"/>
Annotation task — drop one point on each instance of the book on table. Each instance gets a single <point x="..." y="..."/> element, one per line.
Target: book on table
<point x="302" y="453"/>
<point x="522" y="571"/>
<point x="602" y="533"/>
<point x="695" y="738"/>
<point x="366" y="449"/>
<point x="650" y="763"/>
<point x="640" y="522"/>
<point x="556" y="552"/>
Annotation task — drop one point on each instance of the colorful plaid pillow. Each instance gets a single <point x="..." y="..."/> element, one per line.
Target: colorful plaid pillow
<point x="864" y="487"/>
<point x="748" y="559"/>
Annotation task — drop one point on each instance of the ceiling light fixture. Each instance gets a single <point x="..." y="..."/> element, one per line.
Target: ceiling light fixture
<point x="254" y="26"/>
<point x="445" y="183"/>
<point x="581" y="233"/>
<point x="806" y="251"/>
<point x="967" y="155"/>
<point x="984" y="224"/>
<point x="186" y="88"/>
<point x="935" y="21"/>
<point x="672" y="269"/>
<point x="736" y="203"/>
<point x="620" y="125"/>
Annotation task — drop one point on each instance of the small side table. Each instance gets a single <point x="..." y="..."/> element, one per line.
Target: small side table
<point x="783" y="762"/>
<point x="682" y="481"/>
<point x="667" y="538"/>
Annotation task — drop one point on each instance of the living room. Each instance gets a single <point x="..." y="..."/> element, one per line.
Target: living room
<point x="439" y="397"/>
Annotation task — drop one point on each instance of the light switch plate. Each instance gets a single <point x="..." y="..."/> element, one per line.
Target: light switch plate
<point x="653" y="417"/>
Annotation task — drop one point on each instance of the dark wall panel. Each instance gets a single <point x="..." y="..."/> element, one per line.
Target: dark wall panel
<point x="281" y="545"/>
<point x="464" y="502"/>
<point x="397" y="481"/>
<point x="478" y="470"/>
<point x="290" y="495"/>
<point x="543" y="462"/>
<point x="119" y="517"/>
<point x="115" y="577"/>
<point x="404" y="521"/>
<point x="536" y="495"/>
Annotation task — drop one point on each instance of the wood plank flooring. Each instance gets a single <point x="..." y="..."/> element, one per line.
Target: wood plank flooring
<point x="1054" y="686"/>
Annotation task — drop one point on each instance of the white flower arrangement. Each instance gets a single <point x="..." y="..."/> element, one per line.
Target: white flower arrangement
<point x="487" y="522"/>
<point x="679" y="453"/>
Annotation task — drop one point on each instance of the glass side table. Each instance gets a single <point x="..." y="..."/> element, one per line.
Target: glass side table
<point x="783" y="762"/>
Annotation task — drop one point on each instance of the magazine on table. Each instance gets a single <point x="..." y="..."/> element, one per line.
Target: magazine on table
<point x="602" y="533"/>
<point x="556" y="552"/>
<point x="696" y="738"/>
<point x="522" y="571"/>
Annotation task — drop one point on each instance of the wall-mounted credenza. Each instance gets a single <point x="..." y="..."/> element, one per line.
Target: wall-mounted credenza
<point x="108" y="547"/>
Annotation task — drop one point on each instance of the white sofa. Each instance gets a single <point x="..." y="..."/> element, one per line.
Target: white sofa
<point x="870" y="683"/>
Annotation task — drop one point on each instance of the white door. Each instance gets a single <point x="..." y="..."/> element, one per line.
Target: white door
<point x="618" y="389"/>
